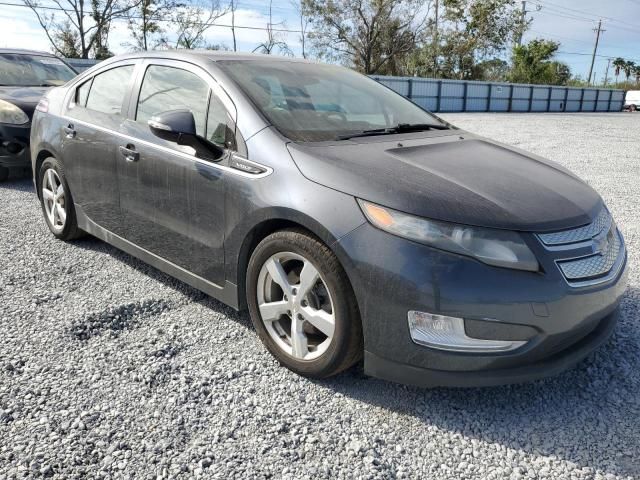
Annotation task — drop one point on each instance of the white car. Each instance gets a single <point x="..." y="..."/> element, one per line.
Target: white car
<point x="632" y="100"/>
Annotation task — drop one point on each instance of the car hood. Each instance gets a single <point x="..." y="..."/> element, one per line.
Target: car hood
<point x="456" y="178"/>
<point x="24" y="97"/>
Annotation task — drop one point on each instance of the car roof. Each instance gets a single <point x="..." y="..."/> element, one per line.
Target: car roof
<point x="214" y="55"/>
<point x="25" y="51"/>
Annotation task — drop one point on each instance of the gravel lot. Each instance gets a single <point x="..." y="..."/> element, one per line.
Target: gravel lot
<point x="110" y="369"/>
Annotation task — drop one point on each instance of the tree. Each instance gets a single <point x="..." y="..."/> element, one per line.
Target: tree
<point x="304" y="25"/>
<point x="494" y="70"/>
<point x="67" y="41"/>
<point x="373" y="36"/>
<point x="477" y="30"/>
<point x="194" y="20"/>
<point x="274" y="42"/>
<point x="232" y="7"/>
<point x="144" y="23"/>
<point x="85" y="26"/>
<point x="628" y="69"/>
<point x="636" y="73"/>
<point x="533" y="63"/>
<point x="619" y="64"/>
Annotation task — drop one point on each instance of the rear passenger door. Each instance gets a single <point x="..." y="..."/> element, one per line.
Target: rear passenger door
<point x="90" y="139"/>
<point x="173" y="202"/>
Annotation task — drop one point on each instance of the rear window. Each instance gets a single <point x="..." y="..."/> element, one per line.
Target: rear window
<point x="109" y="89"/>
<point x="25" y="70"/>
<point x="82" y="93"/>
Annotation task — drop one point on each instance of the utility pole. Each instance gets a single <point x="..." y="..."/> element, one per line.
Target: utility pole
<point x="524" y="17"/>
<point x="233" y="23"/>
<point x="598" y="31"/>
<point x="606" y="73"/>
<point x="436" y="41"/>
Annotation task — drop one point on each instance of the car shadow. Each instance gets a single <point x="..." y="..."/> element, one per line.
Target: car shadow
<point x="598" y="400"/>
<point x="193" y="294"/>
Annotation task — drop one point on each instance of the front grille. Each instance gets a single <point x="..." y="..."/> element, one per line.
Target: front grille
<point x="602" y="222"/>
<point x="604" y="250"/>
<point x="593" y="266"/>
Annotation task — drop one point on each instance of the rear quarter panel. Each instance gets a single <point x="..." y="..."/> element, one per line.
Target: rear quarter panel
<point x="46" y="129"/>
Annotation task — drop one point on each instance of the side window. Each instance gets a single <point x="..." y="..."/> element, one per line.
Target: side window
<point x="168" y="88"/>
<point x="218" y="125"/>
<point x="109" y="89"/>
<point x="82" y="93"/>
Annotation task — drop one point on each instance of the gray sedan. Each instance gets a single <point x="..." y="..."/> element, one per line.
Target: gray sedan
<point x="350" y="222"/>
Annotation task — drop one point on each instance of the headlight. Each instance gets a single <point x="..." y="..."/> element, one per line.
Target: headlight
<point x="501" y="248"/>
<point x="9" y="113"/>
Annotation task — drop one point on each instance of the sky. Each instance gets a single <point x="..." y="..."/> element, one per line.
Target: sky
<point x="570" y="22"/>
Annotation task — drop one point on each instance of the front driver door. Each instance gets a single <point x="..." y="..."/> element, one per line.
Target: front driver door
<point x="173" y="203"/>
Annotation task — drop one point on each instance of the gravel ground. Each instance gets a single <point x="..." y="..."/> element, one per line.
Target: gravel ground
<point x="110" y="369"/>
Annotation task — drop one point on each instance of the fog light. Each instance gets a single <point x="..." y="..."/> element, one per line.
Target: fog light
<point x="447" y="333"/>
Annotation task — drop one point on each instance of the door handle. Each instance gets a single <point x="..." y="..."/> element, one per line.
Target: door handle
<point x="69" y="131"/>
<point x="129" y="153"/>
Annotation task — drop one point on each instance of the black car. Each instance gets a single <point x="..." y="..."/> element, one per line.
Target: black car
<point x="25" y="76"/>
<point x="350" y="222"/>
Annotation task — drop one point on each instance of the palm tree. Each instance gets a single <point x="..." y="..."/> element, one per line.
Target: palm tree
<point x="619" y="63"/>
<point x="628" y="68"/>
<point x="636" y="73"/>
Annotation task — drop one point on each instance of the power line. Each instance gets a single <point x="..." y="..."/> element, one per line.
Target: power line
<point x="612" y="19"/>
<point x="554" y="13"/>
<point x="563" y="37"/>
<point x="126" y="17"/>
<point x="588" y="54"/>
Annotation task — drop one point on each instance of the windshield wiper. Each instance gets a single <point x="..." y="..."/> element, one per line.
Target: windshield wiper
<point x="399" y="128"/>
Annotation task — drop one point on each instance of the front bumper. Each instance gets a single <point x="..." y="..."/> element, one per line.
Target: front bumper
<point x="14" y="145"/>
<point x="383" y="368"/>
<point x="391" y="276"/>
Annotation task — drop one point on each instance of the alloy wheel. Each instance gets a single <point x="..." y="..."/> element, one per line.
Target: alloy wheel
<point x="295" y="305"/>
<point x="54" y="199"/>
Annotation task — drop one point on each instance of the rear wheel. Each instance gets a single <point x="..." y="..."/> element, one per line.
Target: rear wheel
<point x="302" y="305"/>
<point x="56" y="201"/>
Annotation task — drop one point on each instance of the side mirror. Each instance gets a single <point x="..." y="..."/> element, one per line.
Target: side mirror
<point x="179" y="126"/>
<point x="172" y="125"/>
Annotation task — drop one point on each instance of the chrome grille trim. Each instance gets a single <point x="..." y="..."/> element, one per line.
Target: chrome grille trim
<point x="580" y="234"/>
<point x="593" y="266"/>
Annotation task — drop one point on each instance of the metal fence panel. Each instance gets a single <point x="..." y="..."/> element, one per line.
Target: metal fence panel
<point x="469" y="96"/>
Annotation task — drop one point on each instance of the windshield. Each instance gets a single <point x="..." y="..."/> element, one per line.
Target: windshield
<point x="25" y="70"/>
<point x="313" y="102"/>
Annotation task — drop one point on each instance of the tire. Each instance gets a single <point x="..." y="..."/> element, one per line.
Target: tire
<point x="330" y="296"/>
<point x="63" y="227"/>
<point x="633" y="108"/>
<point x="4" y="174"/>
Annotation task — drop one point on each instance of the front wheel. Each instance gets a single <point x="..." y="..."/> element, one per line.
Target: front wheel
<point x="302" y="305"/>
<point x="55" y="198"/>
